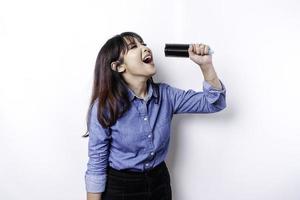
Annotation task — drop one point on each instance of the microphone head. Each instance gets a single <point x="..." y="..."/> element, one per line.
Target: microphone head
<point x="179" y="50"/>
<point x="176" y="50"/>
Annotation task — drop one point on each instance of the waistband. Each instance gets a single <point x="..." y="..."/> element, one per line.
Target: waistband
<point x="127" y="172"/>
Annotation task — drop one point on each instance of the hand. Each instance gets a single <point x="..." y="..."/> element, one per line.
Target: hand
<point x="199" y="54"/>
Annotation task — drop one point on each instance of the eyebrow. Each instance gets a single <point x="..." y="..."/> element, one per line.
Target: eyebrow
<point x="134" y="43"/>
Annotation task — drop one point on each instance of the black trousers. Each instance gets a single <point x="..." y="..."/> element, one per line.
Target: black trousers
<point x="128" y="185"/>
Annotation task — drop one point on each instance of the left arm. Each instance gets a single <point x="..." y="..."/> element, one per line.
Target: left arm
<point x="213" y="97"/>
<point x="199" y="54"/>
<point x="211" y="77"/>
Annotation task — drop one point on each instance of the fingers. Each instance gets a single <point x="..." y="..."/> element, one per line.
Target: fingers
<point x="200" y="49"/>
<point x="206" y="49"/>
<point x="191" y="50"/>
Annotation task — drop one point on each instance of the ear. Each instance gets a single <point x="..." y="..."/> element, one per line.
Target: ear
<point x="114" y="65"/>
<point x="117" y="67"/>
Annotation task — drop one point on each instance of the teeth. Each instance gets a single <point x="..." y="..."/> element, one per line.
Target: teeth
<point x="147" y="58"/>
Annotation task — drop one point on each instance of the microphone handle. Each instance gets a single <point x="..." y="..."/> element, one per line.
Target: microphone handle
<point x="179" y="50"/>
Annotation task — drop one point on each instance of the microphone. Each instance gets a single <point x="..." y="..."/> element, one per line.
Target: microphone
<point x="179" y="50"/>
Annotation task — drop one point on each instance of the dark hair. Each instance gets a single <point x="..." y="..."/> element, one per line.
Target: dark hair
<point x="109" y="87"/>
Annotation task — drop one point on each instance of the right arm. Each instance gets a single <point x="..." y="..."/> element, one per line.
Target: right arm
<point x="98" y="152"/>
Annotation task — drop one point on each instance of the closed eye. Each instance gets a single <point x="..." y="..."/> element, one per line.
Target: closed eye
<point x="133" y="46"/>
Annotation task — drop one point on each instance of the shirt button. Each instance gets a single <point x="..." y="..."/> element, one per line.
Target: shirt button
<point x="149" y="136"/>
<point x="147" y="164"/>
<point x="145" y="118"/>
<point x="152" y="153"/>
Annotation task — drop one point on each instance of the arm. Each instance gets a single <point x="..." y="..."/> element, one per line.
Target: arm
<point x="212" y="99"/>
<point x="199" y="54"/>
<point x="209" y="100"/>
<point x="98" y="152"/>
<point x="210" y="76"/>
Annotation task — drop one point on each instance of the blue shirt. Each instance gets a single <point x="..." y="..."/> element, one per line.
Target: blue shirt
<point x="139" y="140"/>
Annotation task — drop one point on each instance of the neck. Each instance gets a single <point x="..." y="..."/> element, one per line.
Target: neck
<point x="139" y="87"/>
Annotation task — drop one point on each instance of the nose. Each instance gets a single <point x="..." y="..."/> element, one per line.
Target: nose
<point x="147" y="49"/>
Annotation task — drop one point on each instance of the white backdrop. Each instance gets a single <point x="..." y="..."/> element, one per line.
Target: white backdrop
<point x="249" y="151"/>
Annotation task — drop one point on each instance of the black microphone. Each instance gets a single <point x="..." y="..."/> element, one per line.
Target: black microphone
<point x="179" y="50"/>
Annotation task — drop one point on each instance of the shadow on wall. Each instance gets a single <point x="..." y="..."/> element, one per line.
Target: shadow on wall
<point x="177" y="128"/>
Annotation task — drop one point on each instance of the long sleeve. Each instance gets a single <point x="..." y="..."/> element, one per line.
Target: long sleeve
<point x="98" y="152"/>
<point x="209" y="100"/>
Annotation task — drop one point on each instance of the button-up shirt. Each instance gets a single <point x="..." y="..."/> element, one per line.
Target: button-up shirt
<point x="139" y="140"/>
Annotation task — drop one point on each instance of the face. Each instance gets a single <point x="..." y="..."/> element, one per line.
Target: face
<point x="138" y="61"/>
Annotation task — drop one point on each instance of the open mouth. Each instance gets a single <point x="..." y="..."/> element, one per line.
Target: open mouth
<point x="148" y="59"/>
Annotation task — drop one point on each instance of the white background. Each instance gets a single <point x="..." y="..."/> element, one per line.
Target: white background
<point x="249" y="151"/>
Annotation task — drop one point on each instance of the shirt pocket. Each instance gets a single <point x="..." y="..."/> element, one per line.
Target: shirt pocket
<point x="132" y="141"/>
<point x="129" y="136"/>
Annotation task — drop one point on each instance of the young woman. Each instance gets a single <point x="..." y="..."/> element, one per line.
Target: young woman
<point x="129" y="119"/>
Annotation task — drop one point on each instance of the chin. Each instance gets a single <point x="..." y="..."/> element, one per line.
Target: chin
<point x="153" y="67"/>
<point x="153" y="73"/>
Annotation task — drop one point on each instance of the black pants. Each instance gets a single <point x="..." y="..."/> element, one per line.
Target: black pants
<point x="128" y="185"/>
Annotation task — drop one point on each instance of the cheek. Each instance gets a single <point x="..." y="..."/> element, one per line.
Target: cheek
<point x="134" y="62"/>
<point x="134" y="66"/>
<point x="134" y="58"/>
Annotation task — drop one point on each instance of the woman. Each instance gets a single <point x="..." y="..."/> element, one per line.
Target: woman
<point x="129" y="119"/>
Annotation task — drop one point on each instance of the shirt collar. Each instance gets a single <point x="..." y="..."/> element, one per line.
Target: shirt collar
<point x="150" y="92"/>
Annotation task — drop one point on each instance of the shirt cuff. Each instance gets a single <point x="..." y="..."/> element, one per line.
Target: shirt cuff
<point x="95" y="183"/>
<point x="212" y="93"/>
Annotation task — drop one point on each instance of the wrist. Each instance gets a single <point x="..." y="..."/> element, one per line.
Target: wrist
<point x="206" y="67"/>
<point x="209" y="73"/>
